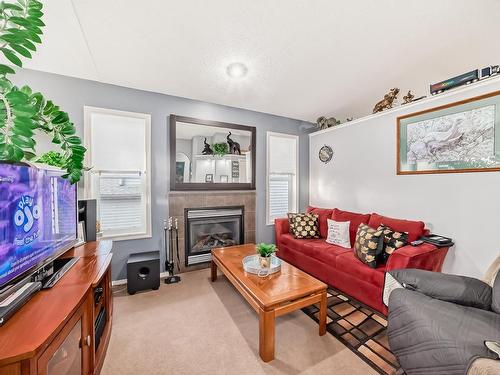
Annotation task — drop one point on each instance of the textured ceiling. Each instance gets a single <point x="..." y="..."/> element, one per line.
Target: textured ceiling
<point x="305" y="58"/>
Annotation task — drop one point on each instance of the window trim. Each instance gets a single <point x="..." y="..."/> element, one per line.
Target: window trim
<point x="270" y="134"/>
<point x="88" y="188"/>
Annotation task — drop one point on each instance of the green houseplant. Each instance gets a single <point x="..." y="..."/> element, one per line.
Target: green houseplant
<point x="22" y="111"/>
<point x="265" y="252"/>
<point x="221" y="149"/>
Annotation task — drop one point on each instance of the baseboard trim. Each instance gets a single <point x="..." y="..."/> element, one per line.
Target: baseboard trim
<point x="124" y="281"/>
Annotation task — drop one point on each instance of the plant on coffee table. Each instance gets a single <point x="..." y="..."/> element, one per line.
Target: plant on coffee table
<point x="265" y="251"/>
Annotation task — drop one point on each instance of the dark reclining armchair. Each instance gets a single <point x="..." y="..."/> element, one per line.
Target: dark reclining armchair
<point x="438" y="323"/>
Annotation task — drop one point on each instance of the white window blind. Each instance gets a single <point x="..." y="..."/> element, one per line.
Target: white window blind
<point x="282" y="174"/>
<point x="279" y="195"/>
<point x="119" y="144"/>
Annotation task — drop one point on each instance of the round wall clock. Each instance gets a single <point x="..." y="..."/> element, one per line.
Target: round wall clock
<point x="325" y="154"/>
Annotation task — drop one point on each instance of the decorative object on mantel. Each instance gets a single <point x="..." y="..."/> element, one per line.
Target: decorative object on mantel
<point x="410" y="98"/>
<point x="325" y="154"/>
<point x="209" y="177"/>
<point x="465" y="79"/>
<point x="220" y="149"/>
<point x="207" y="150"/>
<point x="234" y="147"/>
<point x="388" y="100"/>
<point x="457" y="137"/>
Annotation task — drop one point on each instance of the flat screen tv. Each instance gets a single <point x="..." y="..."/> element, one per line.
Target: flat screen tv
<point x="38" y="219"/>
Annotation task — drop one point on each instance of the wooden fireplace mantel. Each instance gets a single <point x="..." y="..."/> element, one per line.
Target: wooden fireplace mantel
<point x="30" y="338"/>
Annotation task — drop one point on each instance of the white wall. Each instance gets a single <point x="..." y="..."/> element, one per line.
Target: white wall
<point x="362" y="177"/>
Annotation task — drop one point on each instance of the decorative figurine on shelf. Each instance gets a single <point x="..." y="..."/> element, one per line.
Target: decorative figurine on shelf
<point x="410" y="98"/>
<point x="207" y="150"/>
<point x="234" y="147"/>
<point x="349" y="119"/>
<point x="386" y="103"/>
<point x="325" y="123"/>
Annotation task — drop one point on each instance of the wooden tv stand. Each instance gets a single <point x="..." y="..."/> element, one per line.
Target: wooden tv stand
<point x="54" y="332"/>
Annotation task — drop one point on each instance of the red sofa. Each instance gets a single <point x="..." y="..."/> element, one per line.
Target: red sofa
<point x="338" y="266"/>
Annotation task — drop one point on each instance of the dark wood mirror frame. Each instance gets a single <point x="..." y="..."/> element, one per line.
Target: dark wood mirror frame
<point x="175" y="186"/>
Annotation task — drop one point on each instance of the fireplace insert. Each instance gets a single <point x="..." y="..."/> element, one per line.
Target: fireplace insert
<point x="207" y="228"/>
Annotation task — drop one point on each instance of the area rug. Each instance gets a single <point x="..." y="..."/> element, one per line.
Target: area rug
<point x="360" y="329"/>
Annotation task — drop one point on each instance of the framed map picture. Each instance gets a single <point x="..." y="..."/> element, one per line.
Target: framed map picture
<point x="458" y="137"/>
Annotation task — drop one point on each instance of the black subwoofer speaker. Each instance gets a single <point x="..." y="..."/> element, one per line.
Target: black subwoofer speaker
<point x="143" y="271"/>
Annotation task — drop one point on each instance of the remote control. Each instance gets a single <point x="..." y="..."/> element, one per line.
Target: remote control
<point x="416" y="243"/>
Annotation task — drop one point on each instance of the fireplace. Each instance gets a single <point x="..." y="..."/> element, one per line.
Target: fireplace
<point x="211" y="227"/>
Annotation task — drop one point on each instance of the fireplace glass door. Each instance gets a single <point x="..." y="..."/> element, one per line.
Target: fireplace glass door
<point x="210" y="228"/>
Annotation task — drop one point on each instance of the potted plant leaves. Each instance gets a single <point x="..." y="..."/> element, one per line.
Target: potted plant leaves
<point x="24" y="113"/>
<point x="220" y="149"/>
<point x="265" y="251"/>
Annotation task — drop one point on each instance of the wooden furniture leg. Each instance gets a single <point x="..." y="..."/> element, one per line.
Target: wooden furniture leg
<point x="322" y="314"/>
<point x="266" y="335"/>
<point x="213" y="268"/>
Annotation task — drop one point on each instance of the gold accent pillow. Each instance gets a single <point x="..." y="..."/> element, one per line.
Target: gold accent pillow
<point x="304" y="225"/>
<point x="369" y="244"/>
<point x="393" y="240"/>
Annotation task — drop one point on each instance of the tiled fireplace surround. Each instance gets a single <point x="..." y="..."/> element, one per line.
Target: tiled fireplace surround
<point x="179" y="200"/>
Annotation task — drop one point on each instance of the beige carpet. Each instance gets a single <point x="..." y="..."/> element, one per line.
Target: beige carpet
<point x="199" y="327"/>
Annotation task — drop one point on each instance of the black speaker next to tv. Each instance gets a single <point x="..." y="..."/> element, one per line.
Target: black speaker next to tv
<point x="143" y="271"/>
<point x="87" y="212"/>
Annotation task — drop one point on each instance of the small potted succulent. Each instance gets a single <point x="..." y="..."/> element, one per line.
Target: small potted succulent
<point x="265" y="252"/>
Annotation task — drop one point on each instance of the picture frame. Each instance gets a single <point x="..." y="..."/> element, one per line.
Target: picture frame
<point x="224" y="178"/>
<point x="209" y="177"/>
<point x="459" y="137"/>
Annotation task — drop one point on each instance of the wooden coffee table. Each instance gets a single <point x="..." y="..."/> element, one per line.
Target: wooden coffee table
<point x="272" y="296"/>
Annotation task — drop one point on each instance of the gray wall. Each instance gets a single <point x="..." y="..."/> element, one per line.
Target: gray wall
<point x="71" y="94"/>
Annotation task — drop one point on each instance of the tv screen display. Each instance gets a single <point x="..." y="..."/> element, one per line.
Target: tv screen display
<point x="38" y="218"/>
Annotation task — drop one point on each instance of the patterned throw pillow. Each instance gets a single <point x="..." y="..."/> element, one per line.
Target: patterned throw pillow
<point x="393" y="240"/>
<point x="369" y="244"/>
<point x="304" y="225"/>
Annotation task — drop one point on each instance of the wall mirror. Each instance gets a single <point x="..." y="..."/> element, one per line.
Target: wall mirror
<point x="211" y="155"/>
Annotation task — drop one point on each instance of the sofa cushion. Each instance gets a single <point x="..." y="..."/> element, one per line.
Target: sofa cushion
<point x="354" y="218"/>
<point x="348" y="263"/>
<point x="415" y="229"/>
<point x="323" y="215"/>
<point x="315" y="248"/>
<point x="304" y="225"/>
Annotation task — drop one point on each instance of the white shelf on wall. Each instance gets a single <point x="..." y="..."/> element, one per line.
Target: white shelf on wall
<point x="221" y="157"/>
<point x="404" y="108"/>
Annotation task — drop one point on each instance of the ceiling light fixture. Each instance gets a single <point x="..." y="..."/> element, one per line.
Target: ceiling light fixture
<point x="236" y="70"/>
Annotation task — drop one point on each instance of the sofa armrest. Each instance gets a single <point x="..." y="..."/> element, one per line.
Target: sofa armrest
<point x="461" y="290"/>
<point x="425" y="256"/>
<point x="281" y="226"/>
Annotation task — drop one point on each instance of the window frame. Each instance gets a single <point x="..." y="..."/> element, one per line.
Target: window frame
<point x="295" y="199"/>
<point x="88" y="188"/>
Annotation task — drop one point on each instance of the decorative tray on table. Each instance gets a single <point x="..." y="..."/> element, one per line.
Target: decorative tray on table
<point x="251" y="264"/>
